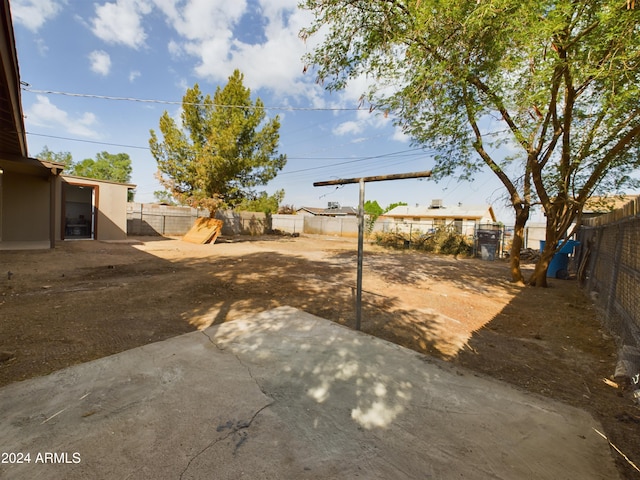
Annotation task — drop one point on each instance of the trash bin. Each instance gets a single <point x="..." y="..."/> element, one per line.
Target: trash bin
<point x="559" y="265"/>
<point x="488" y="244"/>
<point x="488" y="252"/>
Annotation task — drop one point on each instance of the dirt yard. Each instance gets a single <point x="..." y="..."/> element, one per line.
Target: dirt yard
<point x="85" y="300"/>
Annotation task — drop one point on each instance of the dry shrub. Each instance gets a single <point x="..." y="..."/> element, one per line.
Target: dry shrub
<point x="443" y="240"/>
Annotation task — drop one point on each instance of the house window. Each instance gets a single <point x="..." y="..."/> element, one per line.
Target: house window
<point x="416" y="219"/>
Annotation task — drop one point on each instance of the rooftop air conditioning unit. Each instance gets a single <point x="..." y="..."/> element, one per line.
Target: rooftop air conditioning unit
<point x="333" y="205"/>
<point x="436" y="203"/>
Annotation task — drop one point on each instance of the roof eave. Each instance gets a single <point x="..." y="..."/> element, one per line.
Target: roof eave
<point x="11" y="80"/>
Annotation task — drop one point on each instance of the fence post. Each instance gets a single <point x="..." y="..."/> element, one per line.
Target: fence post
<point x="410" y="233"/>
<point x="616" y="267"/>
<point x="596" y="254"/>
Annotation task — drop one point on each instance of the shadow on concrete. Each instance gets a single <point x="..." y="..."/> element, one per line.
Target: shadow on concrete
<point x="284" y="394"/>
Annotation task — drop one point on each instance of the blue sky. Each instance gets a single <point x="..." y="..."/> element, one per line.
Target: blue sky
<point x="156" y="49"/>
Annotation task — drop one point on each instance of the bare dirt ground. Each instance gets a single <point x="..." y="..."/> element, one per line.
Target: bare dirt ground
<point x="85" y="300"/>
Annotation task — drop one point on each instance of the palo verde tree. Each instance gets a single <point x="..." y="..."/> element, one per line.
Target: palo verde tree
<point x="545" y="93"/>
<point x="223" y="149"/>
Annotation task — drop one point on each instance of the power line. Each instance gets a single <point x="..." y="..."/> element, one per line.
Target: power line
<point x="86" y="141"/>
<point x="384" y="155"/>
<point x="303" y="170"/>
<point x="180" y="102"/>
<point x="353" y="160"/>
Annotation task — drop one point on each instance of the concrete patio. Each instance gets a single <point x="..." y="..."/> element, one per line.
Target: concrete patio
<point x="285" y="394"/>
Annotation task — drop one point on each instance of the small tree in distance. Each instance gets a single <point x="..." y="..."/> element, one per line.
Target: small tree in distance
<point x="287" y="210"/>
<point x="64" y="158"/>
<point x="394" y="205"/>
<point x="164" y="197"/>
<point x="262" y="203"/>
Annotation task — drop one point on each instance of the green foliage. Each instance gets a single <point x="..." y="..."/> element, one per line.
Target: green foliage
<point x="555" y="81"/>
<point x="106" y="166"/>
<point x="56" y="157"/>
<point x="262" y="203"/>
<point x="222" y="150"/>
<point x="372" y="208"/>
<point x="394" y="205"/>
<point x="162" y="196"/>
<point x="372" y="211"/>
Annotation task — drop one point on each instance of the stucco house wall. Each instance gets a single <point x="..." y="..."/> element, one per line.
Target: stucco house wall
<point x="24" y="207"/>
<point x="33" y="209"/>
<point x="464" y="219"/>
<point x="34" y="212"/>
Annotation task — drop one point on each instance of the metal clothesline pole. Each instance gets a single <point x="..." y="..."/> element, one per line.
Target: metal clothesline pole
<point x="362" y="181"/>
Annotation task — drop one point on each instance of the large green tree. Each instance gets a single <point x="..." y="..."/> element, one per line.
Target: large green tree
<point x="223" y="149"/>
<point x="543" y="93"/>
<point x="106" y="166"/>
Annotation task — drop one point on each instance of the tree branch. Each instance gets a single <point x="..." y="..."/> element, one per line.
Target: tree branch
<point x="477" y="145"/>
<point x="603" y="164"/>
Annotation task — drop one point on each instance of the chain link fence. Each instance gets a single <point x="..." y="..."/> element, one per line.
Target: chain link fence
<point x="609" y="270"/>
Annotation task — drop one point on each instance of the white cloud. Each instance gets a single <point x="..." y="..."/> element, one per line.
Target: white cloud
<point x="100" y="62"/>
<point x="349" y="127"/>
<point x="174" y="48"/>
<point x="200" y="20"/>
<point x="400" y="136"/>
<point x="365" y="120"/>
<point x="206" y="31"/>
<point x="34" y="13"/>
<point x="275" y="64"/>
<point x="43" y="48"/>
<point x="121" y="22"/>
<point x="43" y="113"/>
<point x="133" y="75"/>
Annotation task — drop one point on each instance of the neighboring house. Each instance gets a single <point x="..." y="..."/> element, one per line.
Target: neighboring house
<point x="464" y="219"/>
<point x="333" y="210"/>
<point x="39" y="205"/>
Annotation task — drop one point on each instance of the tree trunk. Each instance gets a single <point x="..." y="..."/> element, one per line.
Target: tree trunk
<point x="522" y="216"/>
<point x="539" y="276"/>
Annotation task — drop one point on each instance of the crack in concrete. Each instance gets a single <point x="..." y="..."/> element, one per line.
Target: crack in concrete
<point x="240" y="426"/>
<point x="241" y="363"/>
